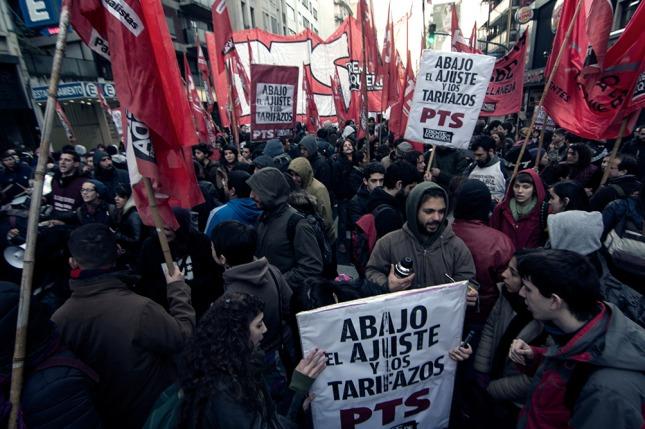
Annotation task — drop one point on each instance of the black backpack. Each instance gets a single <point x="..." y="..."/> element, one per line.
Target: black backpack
<point x="316" y="222"/>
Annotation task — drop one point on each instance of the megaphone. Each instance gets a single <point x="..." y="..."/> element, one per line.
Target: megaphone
<point x="14" y="255"/>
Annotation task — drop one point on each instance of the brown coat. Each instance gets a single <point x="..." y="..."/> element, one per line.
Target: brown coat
<point x="129" y="340"/>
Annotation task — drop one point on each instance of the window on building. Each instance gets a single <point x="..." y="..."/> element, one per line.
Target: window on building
<point x="624" y="11"/>
<point x="245" y="21"/>
<point x="291" y="14"/>
<point x="305" y="3"/>
<point x="274" y="25"/>
<point x="252" y="10"/>
<point x="267" y="22"/>
<point x="305" y="22"/>
<point x="171" y="26"/>
<point x="314" y="12"/>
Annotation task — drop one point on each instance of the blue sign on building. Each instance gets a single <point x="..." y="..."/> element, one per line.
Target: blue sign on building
<point x="75" y="90"/>
<point x="40" y="13"/>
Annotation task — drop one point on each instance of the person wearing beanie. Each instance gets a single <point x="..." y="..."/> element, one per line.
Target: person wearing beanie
<point x="299" y="258"/>
<point x="110" y="176"/>
<point x="490" y="248"/>
<point x="240" y="206"/>
<point x="581" y="232"/>
<point x="275" y="150"/>
<point x="262" y="161"/>
<point x="426" y="237"/>
<point x="309" y="146"/>
<point x="58" y="389"/>
<point x="400" y="150"/>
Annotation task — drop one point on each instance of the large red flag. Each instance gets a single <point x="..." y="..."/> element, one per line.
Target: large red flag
<point x="504" y="92"/>
<point x="313" y="119"/>
<point x="339" y="102"/>
<point x="401" y="110"/>
<point x="159" y="131"/>
<point x="204" y="75"/>
<point x="593" y="106"/>
<point x="391" y="81"/>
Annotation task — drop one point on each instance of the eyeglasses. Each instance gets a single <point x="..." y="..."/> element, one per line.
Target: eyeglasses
<point x="87" y="190"/>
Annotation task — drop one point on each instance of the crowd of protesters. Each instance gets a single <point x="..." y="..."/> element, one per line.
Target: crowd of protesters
<point x="554" y="258"/>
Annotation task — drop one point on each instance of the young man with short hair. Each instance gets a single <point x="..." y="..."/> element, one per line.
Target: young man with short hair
<point x="593" y="376"/>
<point x="66" y="184"/>
<point x="622" y="182"/>
<point x="487" y="167"/>
<point x="373" y="176"/>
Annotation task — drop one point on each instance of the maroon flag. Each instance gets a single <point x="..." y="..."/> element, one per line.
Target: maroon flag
<point x="391" y="81"/>
<point x="204" y="75"/>
<point x="594" y="105"/>
<point x="219" y="79"/>
<point x="504" y="93"/>
<point x="313" y="119"/>
<point x="599" y="22"/>
<point x="274" y="98"/>
<point x="195" y="103"/>
<point x="64" y="121"/>
<point x="372" y="60"/>
<point x="158" y="131"/>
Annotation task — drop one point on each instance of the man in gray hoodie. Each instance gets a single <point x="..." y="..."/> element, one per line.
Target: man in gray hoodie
<point x="297" y="259"/>
<point x="439" y="256"/>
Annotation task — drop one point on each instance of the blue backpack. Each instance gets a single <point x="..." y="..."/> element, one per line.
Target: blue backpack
<point x="166" y="413"/>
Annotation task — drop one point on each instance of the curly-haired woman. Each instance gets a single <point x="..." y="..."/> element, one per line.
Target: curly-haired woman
<point x="222" y="370"/>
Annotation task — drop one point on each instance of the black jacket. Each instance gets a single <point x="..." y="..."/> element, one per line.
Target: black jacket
<point x="618" y="187"/>
<point x="347" y="179"/>
<point x="389" y="216"/>
<point x="111" y="179"/>
<point x="358" y="204"/>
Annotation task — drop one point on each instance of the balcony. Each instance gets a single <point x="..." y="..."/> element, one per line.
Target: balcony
<point x="198" y="8"/>
<point x="41" y="65"/>
<point x="501" y="10"/>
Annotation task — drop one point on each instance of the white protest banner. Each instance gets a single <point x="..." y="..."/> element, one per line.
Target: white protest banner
<point x="387" y="358"/>
<point x="448" y="97"/>
<point x="274" y="92"/>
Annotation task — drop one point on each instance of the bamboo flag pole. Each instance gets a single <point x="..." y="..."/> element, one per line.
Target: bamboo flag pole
<point x="614" y="151"/>
<point x="20" y="349"/>
<point x="364" y="97"/>
<point x="547" y="87"/>
<point x="163" y="240"/>
<point x="431" y="160"/>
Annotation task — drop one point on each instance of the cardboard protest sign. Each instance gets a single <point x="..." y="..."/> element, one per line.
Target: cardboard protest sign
<point x="448" y="96"/>
<point x="387" y="358"/>
<point x="274" y="93"/>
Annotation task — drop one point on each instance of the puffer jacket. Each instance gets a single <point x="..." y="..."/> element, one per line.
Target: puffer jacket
<point x="437" y="258"/>
<point x="302" y="167"/>
<point x="525" y="232"/>
<point x="609" y="351"/>
<point x="297" y="260"/>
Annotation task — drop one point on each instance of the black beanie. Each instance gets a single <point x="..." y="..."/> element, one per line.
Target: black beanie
<point x="472" y="201"/>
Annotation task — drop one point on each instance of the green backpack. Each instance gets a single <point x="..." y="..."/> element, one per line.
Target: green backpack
<point x="166" y="413"/>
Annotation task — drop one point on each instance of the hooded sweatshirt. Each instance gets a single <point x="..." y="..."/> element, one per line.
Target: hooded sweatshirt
<point x="302" y="168"/>
<point x="436" y="256"/>
<point x="321" y="168"/>
<point x="609" y="348"/>
<point x="576" y="230"/>
<point x="525" y="232"/>
<point x="259" y="278"/>
<point x="240" y="209"/>
<point x="297" y="260"/>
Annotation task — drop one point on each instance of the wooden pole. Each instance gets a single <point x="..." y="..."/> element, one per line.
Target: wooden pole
<point x="614" y="151"/>
<point x="431" y="160"/>
<point x="539" y="149"/>
<point x="20" y="349"/>
<point x="546" y="87"/>
<point x="163" y="240"/>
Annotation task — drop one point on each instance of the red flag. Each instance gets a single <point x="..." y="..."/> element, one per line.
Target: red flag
<point x="593" y="106"/>
<point x="115" y="114"/>
<point x="339" y="101"/>
<point x="195" y="103"/>
<point x="364" y="14"/>
<point x="599" y="22"/>
<point x="459" y="43"/>
<point x="204" y="75"/>
<point x="159" y="131"/>
<point x="504" y="93"/>
<point x="401" y="110"/>
<point x="313" y="119"/>
<point x="219" y="79"/>
<point x="64" y="121"/>
<point x="391" y="81"/>
<point x="472" y="42"/>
